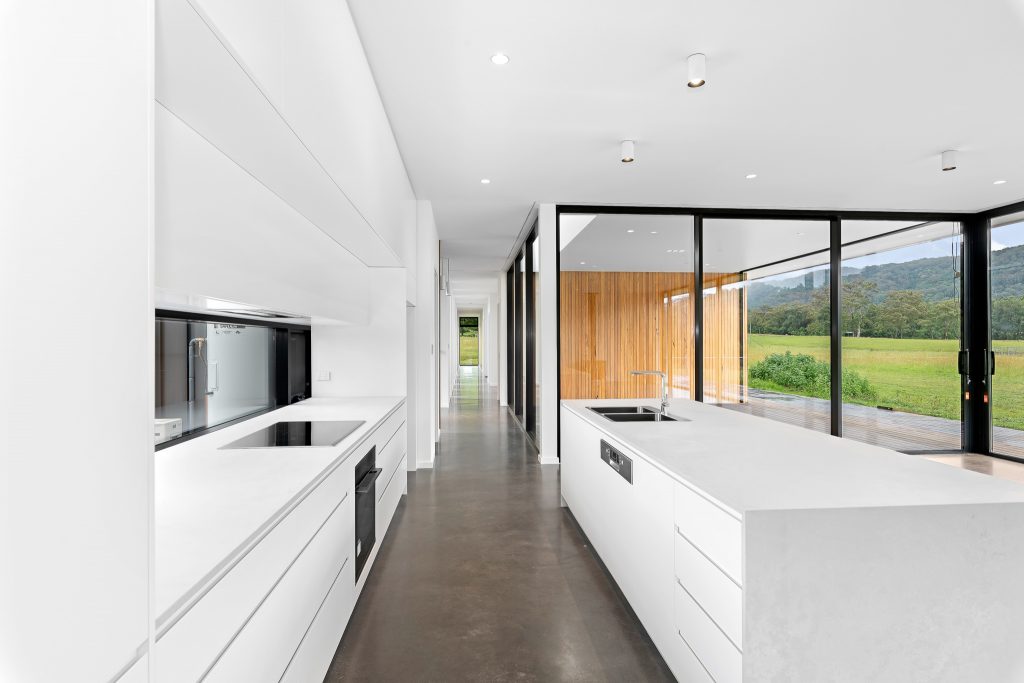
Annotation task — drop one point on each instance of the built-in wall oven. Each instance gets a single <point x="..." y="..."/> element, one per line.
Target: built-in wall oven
<point x="366" y="474"/>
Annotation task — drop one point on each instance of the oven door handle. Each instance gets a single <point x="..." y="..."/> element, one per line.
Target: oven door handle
<point x="367" y="481"/>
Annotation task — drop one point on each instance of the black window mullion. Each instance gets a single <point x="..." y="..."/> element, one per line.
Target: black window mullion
<point x="835" y="282"/>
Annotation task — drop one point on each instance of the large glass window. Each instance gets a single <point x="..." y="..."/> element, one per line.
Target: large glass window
<point x="1007" y="287"/>
<point x="901" y="327"/>
<point x="626" y="291"/>
<point x="766" y="319"/>
<point x="469" y="340"/>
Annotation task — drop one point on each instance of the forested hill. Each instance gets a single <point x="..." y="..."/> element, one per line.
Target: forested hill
<point x="933" y="277"/>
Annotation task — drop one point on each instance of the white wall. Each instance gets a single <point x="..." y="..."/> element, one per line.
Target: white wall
<point x="75" y="250"/>
<point x="447" y="312"/>
<point x="365" y="360"/>
<point x="548" y="404"/>
<point x="493" y="340"/>
<point x="424" y="418"/>
<point x="502" y="340"/>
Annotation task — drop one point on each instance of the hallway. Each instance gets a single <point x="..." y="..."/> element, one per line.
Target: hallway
<point x="483" y="577"/>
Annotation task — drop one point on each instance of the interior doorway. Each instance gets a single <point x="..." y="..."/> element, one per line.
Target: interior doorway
<point x="469" y="340"/>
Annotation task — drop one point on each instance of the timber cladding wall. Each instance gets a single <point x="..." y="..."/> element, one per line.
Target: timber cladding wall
<point x="612" y="323"/>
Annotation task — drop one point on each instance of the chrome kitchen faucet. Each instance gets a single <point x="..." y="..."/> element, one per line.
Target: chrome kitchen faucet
<point x="664" y="385"/>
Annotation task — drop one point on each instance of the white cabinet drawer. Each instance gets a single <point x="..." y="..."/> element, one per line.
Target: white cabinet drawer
<point x="388" y="458"/>
<point x="388" y="502"/>
<point x="714" y="531"/>
<point x="264" y="648"/>
<point x="382" y="435"/>
<point x="720" y="657"/>
<point x="190" y="646"/>
<point x="713" y="590"/>
<point x="316" y="651"/>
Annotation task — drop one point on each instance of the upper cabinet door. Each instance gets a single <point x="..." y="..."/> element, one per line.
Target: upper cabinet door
<point x="206" y="83"/>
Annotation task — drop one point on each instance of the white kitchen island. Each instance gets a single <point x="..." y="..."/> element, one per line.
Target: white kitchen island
<point x="758" y="551"/>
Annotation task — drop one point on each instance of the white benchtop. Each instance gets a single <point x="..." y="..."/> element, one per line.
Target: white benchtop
<point x="210" y="503"/>
<point x="746" y="463"/>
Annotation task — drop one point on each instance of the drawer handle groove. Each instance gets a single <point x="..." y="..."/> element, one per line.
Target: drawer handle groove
<point x="695" y="655"/>
<point x="711" y="618"/>
<point x="704" y="555"/>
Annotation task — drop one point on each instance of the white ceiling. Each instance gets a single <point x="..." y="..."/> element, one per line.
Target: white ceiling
<point x="843" y="104"/>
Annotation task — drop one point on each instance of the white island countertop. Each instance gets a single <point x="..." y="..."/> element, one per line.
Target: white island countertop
<point x="745" y="462"/>
<point x="211" y="503"/>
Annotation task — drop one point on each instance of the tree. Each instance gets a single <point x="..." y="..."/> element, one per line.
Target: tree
<point x="942" y="320"/>
<point x="857" y="303"/>
<point x="1008" y="318"/>
<point x="902" y="312"/>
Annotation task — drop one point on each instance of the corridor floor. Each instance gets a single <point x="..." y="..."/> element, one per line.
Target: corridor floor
<point x="483" y="577"/>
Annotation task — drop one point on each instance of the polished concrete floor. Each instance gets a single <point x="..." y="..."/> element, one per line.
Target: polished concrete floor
<point x="483" y="577"/>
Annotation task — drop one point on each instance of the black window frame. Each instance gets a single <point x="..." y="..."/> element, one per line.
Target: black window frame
<point x="976" y="416"/>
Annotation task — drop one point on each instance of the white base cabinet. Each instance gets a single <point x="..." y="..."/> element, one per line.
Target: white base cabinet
<point x="280" y="609"/>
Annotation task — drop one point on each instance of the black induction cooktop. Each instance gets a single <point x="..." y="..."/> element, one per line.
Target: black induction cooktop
<point x="294" y="434"/>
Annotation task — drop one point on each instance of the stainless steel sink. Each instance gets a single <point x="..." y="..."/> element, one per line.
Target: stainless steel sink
<point x="634" y="414"/>
<point x="604" y="410"/>
<point x="639" y="417"/>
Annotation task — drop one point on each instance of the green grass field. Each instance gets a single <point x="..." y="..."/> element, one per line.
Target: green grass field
<point x="913" y="375"/>
<point x="469" y="350"/>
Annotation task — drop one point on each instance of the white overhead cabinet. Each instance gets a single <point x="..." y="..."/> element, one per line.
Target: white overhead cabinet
<point x="757" y="551"/>
<point x="279" y="180"/>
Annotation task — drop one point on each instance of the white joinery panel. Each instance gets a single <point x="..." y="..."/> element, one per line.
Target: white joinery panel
<point x="388" y="457"/>
<point x="263" y="649"/>
<point x="309" y="60"/>
<point x="717" y="534"/>
<point x="204" y="84"/>
<point x="722" y="660"/>
<point x="221" y="234"/>
<point x="75" y="247"/>
<point x="137" y="672"/>
<point x="316" y="651"/>
<point x="192" y="644"/>
<point x="716" y="593"/>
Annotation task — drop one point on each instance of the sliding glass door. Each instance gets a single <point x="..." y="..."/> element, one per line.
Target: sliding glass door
<point x="766" y="319"/>
<point x="901" y="327"/>
<point x="1007" y="287"/>
<point x="522" y="310"/>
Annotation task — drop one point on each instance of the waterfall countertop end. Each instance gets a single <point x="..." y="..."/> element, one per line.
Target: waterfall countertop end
<point x="210" y="503"/>
<point x="745" y="462"/>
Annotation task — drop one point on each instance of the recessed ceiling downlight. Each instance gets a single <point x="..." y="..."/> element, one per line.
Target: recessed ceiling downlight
<point x="751" y="176"/>
<point x="485" y="181"/>
<point x="696" y="66"/>
<point x="499" y="58"/>
<point x="631" y="230"/>
<point x="999" y="182"/>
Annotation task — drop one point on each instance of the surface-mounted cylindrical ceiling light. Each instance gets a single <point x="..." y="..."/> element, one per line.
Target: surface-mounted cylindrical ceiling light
<point x="697" y="66"/>
<point x="628" y="151"/>
<point x="949" y="160"/>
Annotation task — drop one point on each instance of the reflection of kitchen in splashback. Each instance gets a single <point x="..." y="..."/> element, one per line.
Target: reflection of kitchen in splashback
<point x="212" y="372"/>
